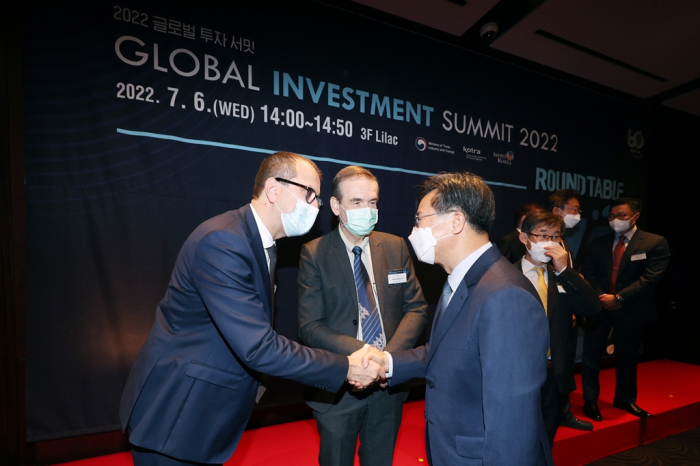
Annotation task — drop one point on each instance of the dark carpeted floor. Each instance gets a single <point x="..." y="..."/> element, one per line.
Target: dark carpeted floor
<point x="677" y="450"/>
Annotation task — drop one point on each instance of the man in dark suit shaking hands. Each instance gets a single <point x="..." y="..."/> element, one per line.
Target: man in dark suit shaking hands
<point x="358" y="286"/>
<point x="193" y="386"/>
<point x="623" y="267"/>
<point x="563" y="292"/>
<point x="487" y="358"/>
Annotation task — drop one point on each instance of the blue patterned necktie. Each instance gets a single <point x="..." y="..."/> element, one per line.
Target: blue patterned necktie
<point x="369" y="314"/>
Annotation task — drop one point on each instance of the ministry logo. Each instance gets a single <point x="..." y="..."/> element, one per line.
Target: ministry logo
<point x="421" y="144"/>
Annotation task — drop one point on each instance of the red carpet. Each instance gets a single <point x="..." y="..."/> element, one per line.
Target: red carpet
<point x="669" y="390"/>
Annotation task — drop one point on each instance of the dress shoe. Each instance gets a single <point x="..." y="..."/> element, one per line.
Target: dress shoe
<point x="590" y="409"/>
<point x="575" y="423"/>
<point x="631" y="408"/>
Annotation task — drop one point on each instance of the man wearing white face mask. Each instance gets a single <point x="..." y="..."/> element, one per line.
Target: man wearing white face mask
<point x="193" y="386"/>
<point x="563" y="292"/>
<point x="485" y="363"/>
<point x="565" y="204"/>
<point x="357" y="286"/>
<point x="623" y="267"/>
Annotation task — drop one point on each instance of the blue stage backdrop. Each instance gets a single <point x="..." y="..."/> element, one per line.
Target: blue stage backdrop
<point x="145" y="118"/>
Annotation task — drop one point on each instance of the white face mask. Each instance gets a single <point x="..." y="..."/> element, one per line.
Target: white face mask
<point x="571" y="220"/>
<point x="621" y="225"/>
<point x="537" y="250"/>
<point x="424" y="242"/>
<point x="300" y="221"/>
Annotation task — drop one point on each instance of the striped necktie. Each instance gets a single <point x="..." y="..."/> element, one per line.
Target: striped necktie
<point x="370" y="320"/>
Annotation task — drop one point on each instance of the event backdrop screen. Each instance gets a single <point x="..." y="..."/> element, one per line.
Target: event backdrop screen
<point x="145" y="118"/>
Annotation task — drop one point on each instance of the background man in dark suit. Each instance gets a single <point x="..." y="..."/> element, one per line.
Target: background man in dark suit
<point x="510" y="245"/>
<point x="329" y="318"/>
<point x="193" y="385"/>
<point x="487" y="357"/>
<point x="566" y="204"/>
<point x="623" y="267"/>
<point x="563" y="292"/>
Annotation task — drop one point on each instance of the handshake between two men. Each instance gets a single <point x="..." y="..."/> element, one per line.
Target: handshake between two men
<point x="367" y="366"/>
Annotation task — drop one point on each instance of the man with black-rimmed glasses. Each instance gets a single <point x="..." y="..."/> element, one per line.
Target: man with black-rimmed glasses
<point x="563" y="292"/>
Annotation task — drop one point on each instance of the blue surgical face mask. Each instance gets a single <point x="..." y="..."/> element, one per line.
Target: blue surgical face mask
<point x="300" y="221"/>
<point x="360" y="221"/>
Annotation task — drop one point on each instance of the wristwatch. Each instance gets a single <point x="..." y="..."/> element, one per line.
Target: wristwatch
<point x="618" y="299"/>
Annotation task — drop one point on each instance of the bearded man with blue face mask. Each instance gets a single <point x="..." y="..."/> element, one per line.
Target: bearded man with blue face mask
<point x="358" y="287"/>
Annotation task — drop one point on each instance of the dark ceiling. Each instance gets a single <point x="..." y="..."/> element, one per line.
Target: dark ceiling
<point x="644" y="51"/>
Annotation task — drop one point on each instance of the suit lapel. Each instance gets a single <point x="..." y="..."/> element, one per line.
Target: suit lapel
<point x="459" y="297"/>
<point x="253" y="234"/>
<point x="379" y="268"/>
<point x="552" y="292"/>
<point x="568" y="250"/>
<point x="343" y="264"/>
<point x="630" y="250"/>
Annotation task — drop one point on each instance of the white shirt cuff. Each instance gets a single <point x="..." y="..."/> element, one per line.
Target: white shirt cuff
<point x="390" y="372"/>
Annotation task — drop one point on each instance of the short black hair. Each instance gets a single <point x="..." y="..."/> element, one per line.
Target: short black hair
<point x="634" y="203"/>
<point x="282" y="165"/>
<point x="561" y="197"/>
<point x="524" y="209"/>
<point x="463" y="192"/>
<point x="548" y="219"/>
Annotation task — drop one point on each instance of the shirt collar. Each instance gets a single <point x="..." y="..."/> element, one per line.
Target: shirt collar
<point x="629" y="234"/>
<point x="349" y="245"/>
<point x="463" y="267"/>
<point x="527" y="265"/>
<point x="265" y="234"/>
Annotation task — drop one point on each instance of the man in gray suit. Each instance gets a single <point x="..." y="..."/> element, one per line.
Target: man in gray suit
<point x="357" y="287"/>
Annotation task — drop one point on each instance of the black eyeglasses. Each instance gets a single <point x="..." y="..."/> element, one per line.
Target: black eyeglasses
<point x="575" y="210"/>
<point x="311" y="195"/>
<point x="421" y="217"/>
<point x="554" y="238"/>
<point x="620" y="216"/>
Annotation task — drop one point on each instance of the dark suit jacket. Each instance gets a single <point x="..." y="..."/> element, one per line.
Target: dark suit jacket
<point x="577" y="298"/>
<point x="636" y="278"/>
<point x="511" y="247"/>
<point x="193" y="385"/>
<point x="484" y="367"/>
<point x="328" y="309"/>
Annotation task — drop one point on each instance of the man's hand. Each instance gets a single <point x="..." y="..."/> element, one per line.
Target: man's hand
<point x="373" y="354"/>
<point x="560" y="258"/>
<point x="609" y="302"/>
<point x="364" y="371"/>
